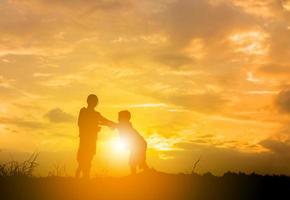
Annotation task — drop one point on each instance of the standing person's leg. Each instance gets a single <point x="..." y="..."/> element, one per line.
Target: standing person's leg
<point x="79" y="160"/>
<point x="87" y="167"/>
<point x="90" y="151"/>
<point x="81" y="167"/>
<point x="86" y="153"/>
<point x="78" y="171"/>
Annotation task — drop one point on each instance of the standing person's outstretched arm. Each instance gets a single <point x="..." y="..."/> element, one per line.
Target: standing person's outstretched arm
<point x="104" y="121"/>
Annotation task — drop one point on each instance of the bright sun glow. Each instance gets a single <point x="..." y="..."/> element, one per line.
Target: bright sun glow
<point x="118" y="145"/>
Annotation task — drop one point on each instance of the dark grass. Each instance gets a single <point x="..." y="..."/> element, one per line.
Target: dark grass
<point x="148" y="185"/>
<point x="19" y="169"/>
<point x="17" y="182"/>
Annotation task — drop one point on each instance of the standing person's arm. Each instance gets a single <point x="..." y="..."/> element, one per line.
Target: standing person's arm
<point x="104" y="121"/>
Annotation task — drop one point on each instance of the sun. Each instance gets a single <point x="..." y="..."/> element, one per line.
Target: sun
<point x="119" y="145"/>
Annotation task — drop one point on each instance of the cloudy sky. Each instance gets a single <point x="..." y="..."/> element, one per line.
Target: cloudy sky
<point x="203" y="79"/>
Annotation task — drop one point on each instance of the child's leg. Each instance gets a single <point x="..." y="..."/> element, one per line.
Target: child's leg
<point x="143" y="164"/>
<point x="132" y="163"/>
<point x="133" y="168"/>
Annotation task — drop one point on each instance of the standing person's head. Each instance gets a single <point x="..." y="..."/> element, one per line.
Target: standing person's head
<point x="124" y="116"/>
<point x="92" y="100"/>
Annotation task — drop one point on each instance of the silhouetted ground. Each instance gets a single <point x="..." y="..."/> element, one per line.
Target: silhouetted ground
<point x="149" y="185"/>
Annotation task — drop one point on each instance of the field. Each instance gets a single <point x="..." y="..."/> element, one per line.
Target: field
<point x="147" y="185"/>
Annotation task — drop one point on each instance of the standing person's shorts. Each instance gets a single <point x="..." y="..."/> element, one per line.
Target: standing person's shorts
<point x="87" y="149"/>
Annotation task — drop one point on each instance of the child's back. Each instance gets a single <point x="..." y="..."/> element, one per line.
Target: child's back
<point x="134" y="140"/>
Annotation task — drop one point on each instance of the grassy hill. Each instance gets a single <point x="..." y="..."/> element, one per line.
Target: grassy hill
<point x="147" y="185"/>
<point x="17" y="182"/>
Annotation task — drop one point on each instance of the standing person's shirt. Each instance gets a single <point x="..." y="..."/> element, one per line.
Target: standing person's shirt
<point x="89" y="122"/>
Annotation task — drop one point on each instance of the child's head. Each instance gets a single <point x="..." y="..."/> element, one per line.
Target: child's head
<point x="92" y="100"/>
<point x="124" y="116"/>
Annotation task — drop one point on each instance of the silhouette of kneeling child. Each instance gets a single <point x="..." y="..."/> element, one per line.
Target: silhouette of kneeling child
<point x="137" y="145"/>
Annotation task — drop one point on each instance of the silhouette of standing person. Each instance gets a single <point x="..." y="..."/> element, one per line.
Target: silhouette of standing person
<point x="89" y="122"/>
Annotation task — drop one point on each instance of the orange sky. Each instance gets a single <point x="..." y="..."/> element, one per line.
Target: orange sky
<point x="202" y="78"/>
